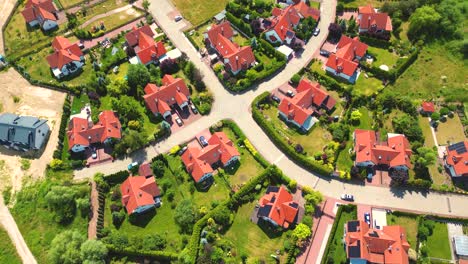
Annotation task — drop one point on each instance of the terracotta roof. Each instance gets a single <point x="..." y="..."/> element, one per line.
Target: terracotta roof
<point x="457" y="158"/>
<point x="278" y="205"/>
<point x="347" y="50"/>
<point x="395" y="152"/>
<point x="133" y="36"/>
<point x="381" y="21"/>
<point x="366" y="9"/>
<point x="306" y="11"/>
<point x="285" y="21"/>
<point x="428" y="107"/>
<point x="65" y="52"/>
<point x="83" y="132"/>
<point x="341" y="65"/>
<point x="138" y="191"/>
<point x="159" y="99"/>
<point x="145" y="170"/>
<point x="198" y="161"/>
<point x="388" y="245"/>
<point x="34" y="8"/>
<point x="221" y="29"/>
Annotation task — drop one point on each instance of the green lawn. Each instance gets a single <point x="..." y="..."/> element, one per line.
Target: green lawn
<point x="315" y="4"/>
<point x="101" y="8"/>
<point x="438" y="243"/>
<point x="69" y="3"/>
<point x="196" y="11"/>
<point x="198" y="34"/>
<point x="250" y="238"/>
<point x="337" y="251"/>
<point x="426" y="129"/>
<point x="383" y="57"/>
<point x="366" y="119"/>
<point x="450" y="131"/>
<point x="424" y="79"/>
<point x="367" y="85"/>
<point x="358" y="3"/>
<point x="411" y="227"/>
<point x="36" y="222"/>
<point x="115" y="20"/>
<point x="8" y="252"/>
<point x="344" y="161"/>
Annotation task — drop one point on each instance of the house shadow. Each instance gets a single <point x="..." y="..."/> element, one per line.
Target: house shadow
<point x="267" y="228"/>
<point x="142" y="220"/>
<point x="232" y="168"/>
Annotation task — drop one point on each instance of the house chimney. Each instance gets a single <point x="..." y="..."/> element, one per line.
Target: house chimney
<point x="380" y="157"/>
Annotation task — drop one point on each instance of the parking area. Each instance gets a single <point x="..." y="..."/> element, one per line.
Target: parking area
<point x="194" y="143"/>
<point x="100" y="155"/>
<point x="186" y="115"/>
<point x="380" y="179"/>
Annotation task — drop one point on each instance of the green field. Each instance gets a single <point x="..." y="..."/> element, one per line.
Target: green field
<point x="36" y="222"/>
<point x="410" y="224"/>
<point x="196" y="11"/>
<point x="358" y="3"/>
<point x="450" y="131"/>
<point x="438" y="243"/>
<point x="115" y="20"/>
<point x="383" y="57"/>
<point x="68" y="3"/>
<point x="8" y="252"/>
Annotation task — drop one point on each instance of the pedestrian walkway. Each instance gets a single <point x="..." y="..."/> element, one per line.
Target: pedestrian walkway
<point x="92" y="226"/>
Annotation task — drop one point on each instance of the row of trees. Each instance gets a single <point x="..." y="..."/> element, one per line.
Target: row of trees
<point x="72" y="247"/>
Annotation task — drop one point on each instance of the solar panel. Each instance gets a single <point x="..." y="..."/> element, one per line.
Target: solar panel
<point x="459" y="147"/>
<point x="352" y="226"/>
<point x="355" y="251"/>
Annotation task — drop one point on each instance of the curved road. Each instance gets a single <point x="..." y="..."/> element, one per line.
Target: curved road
<point x="236" y="107"/>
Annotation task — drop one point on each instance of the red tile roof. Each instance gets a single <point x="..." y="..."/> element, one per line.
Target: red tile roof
<point x="34" y="8"/>
<point x="145" y="170"/>
<point x="83" y="132"/>
<point x="341" y="65"/>
<point x="237" y="57"/>
<point x="133" y="36"/>
<point x="369" y="17"/>
<point x="147" y="50"/>
<point x="283" y="209"/>
<point x="198" y="161"/>
<point x="458" y="158"/>
<point x="306" y="11"/>
<point x="395" y="152"/>
<point x="159" y="99"/>
<point x="64" y="53"/>
<point x="347" y="50"/>
<point x="388" y="245"/>
<point x="428" y="107"/>
<point x="138" y="191"/>
<point x="285" y="20"/>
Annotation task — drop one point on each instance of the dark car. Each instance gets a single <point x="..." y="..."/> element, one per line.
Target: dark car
<point x="275" y="98"/>
<point x="367" y="218"/>
<point x="347" y="197"/>
<point x="203" y="141"/>
<point x="325" y="53"/>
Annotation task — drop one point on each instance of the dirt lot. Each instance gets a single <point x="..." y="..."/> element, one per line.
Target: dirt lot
<point x="34" y="101"/>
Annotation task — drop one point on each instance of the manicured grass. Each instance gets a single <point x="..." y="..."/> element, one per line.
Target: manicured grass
<point x="410" y="224"/>
<point x="367" y="85"/>
<point x="358" y="3"/>
<point x="426" y="129"/>
<point x="337" y="251"/>
<point x="450" y="131"/>
<point x="250" y="238"/>
<point x="36" y="222"/>
<point x="8" y="252"/>
<point x="115" y="20"/>
<point x="383" y="57"/>
<point x="101" y="8"/>
<point x="423" y="79"/>
<point x="78" y="103"/>
<point x="69" y="3"/>
<point x="438" y="243"/>
<point x="366" y="119"/>
<point x="246" y="169"/>
<point x="314" y="4"/>
<point x="196" y="11"/>
<point x="344" y="161"/>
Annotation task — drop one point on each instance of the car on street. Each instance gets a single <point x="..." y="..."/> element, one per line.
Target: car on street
<point x="194" y="109"/>
<point x="178" y="121"/>
<point x="325" y="53"/>
<point x="275" y="98"/>
<point x="178" y="18"/>
<point x="367" y="218"/>
<point x="131" y="165"/>
<point x="316" y="31"/>
<point x="203" y="141"/>
<point x="347" y="197"/>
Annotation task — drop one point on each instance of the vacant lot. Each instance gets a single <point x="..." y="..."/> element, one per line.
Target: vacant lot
<point x="7" y="249"/>
<point x="450" y="131"/>
<point x="409" y="223"/>
<point x="115" y="20"/>
<point x="34" y="101"/>
<point x="197" y="11"/>
<point x="68" y="3"/>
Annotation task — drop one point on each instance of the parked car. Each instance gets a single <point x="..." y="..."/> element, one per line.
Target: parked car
<point x="275" y="98"/>
<point x="347" y="197"/>
<point x="194" y="109"/>
<point x="182" y="150"/>
<point x="367" y="218"/>
<point x="325" y="53"/>
<point x="94" y="155"/>
<point x="178" y="18"/>
<point x="131" y="165"/>
<point x="316" y="31"/>
<point x="290" y="93"/>
<point x="178" y="121"/>
<point x="203" y="141"/>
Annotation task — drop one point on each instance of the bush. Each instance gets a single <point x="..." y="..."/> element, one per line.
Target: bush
<point x="295" y="79"/>
<point x="116" y="178"/>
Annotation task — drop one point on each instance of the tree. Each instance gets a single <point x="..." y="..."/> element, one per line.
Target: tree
<point x="137" y="76"/>
<point x="453" y="13"/>
<point x="154" y="242"/>
<point x="409" y="126"/>
<point x="189" y="70"/>
<point x="169" y="66"/>
<point x="130" y="142"/>
<point x="424" y="23"/>
<point x="302" y="232"/>
<point x="97" y="82"/>
<point x="334" y="32"/>
<point x="435" y="116"/>
<point x="185" y="215"/>
<point x="444" y="111"/>
<point x="292" y="185"/>
<point x="222" y="216"/>
<point x="127" y="107"/>
<point x="83" y="205"/>
<point x="57" y="164"/>
<point x="61" y="199"/>
<point x="158" y="167"/>
<point x="72" y="20"/>
<point x="146" y="4"/>
<point x="134" y="125"/>
<point x="295" y="79"/>
<point x="93" y="252"/>
<point x="314" y="198"/>
<point x="118" y="87"/>
<point x="65" y="247"/>
<point x="426" y="156"/>
<point x="155" y="74"/>
<point x="355" y="116"/>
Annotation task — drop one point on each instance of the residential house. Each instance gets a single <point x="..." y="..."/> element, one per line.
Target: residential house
<point x="141" y="43"/>
<point x="82" y="132"/>
<point x="282" y="25"/>
<point x="393" y="154"/>
<point x="199" y="162"/>
<point x="456" y="160"/>
<point x="234" y="57"/>
<point x="372" y="22"/>
<point x="160" y="100"/>
<point x="145" y="170"/>
<point x="278" y="207"/>
<point x="306" y="11"/>
<point x="344" y="61"/>
<point x="67" y="58"/>
<point x="299" y="110"/>
<point x="41" y="13"/>
<point x="23" y="133"/>
<point x="367" y="245"/>
<point x="139" y="194"/>
<point x="427" y="108"/>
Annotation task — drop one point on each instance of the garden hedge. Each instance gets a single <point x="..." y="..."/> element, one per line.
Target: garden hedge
<point x="302" y="160"/>
<point x="66" y="111"/>
<point x="159" y="255"/>
<point x="117" y="177"/>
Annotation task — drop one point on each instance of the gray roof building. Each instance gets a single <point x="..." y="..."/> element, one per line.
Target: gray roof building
<point x="461" y="245"/>
<point x="23" y="132"/>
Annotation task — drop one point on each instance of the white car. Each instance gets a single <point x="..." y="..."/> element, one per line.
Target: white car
<point x="178" y="121"/>
<point x="347" y="197"/>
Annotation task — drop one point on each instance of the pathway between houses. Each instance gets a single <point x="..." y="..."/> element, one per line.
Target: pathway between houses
<point x="92" y="226"/>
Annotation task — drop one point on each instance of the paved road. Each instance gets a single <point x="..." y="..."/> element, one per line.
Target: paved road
<point x="12" y="229"/>
<point x="236" y="107"/>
